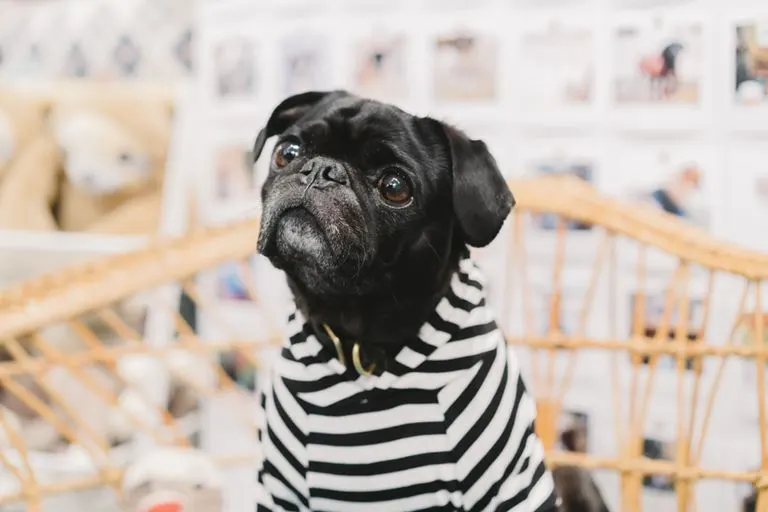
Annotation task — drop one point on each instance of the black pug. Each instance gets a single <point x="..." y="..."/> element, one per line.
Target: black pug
<point x="395" y="391"/>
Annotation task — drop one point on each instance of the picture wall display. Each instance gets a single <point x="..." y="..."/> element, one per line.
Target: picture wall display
<point x="558" y="63"/>
<point x="658" y="61"/>
<point x="305" y="59"/>
<point x="103" y="39"/>
<point x="381" y="65"/>
<point x="465" y="66"/>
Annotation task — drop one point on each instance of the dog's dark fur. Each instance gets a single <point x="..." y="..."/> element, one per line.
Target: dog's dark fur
<point x="577" y="490"/>
<point x="370" y="270"/>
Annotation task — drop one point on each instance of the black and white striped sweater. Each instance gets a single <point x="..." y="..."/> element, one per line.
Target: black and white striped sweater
<point x="447" y="426"/>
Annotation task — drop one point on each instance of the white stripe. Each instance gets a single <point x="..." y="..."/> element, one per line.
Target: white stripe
<point x="480" y="402"/>
<point x="274" y="456"/>
<point x="428" y="381"/>
<point x="308" y="348"/>
<point x="518" y="482"/>
<point x="467" y="348"/>
<point x="297" y="416"/>
<point x="335" y="394"/>
<point x="297" y="371"/>
<point x="488" y="435"/>
<point x="432" y="500"/>
<point x="409" y="357"/>
<point x="541" y="489"/>
<point x="483" y="445"/>
<point x="469" y="267"/>
<point x="396" y="416"/>
<point x="499" y="466"/>
<point x="369" y="454"/>
<point x="466" y="292"/>
<point x="432" y="336"/>
<point x="278" y="490"/>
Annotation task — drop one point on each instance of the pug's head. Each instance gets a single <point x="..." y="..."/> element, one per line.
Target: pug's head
<point x="363" y="199"/>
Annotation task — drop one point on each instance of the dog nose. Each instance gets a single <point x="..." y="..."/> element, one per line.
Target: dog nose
<point x="322" y="172"/>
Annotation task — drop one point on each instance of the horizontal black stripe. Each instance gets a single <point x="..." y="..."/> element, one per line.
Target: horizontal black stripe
<point x="441" y="324"/>
<point x="420" y="346"/>
<point x="375" y="400"/>
<point x="285" y="505"/>
<point x="474" y="331"/>
<point x="450" y="365"/>
<point x="459" y="302"/>
<point x="395" y="367"/>
<point x="309" y="386"/>
<point x="464" y="278"/>
<point x="301" y="336"/>
<point x="396" y="493"/>
<point x="380" y="467"/>
<point x="378" y="436"/>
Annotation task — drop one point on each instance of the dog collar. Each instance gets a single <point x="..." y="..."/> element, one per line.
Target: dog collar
<point x="356" y="362"/>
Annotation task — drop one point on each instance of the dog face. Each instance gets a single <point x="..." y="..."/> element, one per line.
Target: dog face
<point x="358" y="191"/>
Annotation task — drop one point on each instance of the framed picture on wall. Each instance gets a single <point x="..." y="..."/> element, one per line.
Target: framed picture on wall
<point x="751" y="56"/>
<point x="659" y="67"/>
<point x="747" y="47"/>
<point x="235" y="179"/>
<point x="465" y="66"/>
<point x="305" y="62"/>
<point x="380" y="65"/>
<point x="556" y="77"/>
<point x="13" y="27"/>
<point x="235" y="75"/>
<point x="682" y="177"/>
<point x="230" y="184"/>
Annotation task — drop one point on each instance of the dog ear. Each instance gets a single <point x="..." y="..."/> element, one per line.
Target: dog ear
<point x="481" y="198"/>
<point x="285" y="114"/>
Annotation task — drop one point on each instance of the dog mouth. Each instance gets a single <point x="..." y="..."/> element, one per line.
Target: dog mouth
<point x="298" y="234"/>
<point x="300" y="216"/>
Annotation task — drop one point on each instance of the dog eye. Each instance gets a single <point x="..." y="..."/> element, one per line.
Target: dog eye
<point x="285" y="153"/>
<point x="395" y="189"/>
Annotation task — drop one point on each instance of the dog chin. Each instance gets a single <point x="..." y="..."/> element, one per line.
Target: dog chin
<point x="299" y="239"/>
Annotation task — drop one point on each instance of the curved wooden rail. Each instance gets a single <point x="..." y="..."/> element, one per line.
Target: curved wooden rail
<point x="576" y="199"/>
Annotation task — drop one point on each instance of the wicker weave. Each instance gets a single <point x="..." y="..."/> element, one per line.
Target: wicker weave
<point x="94" y="288"/>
